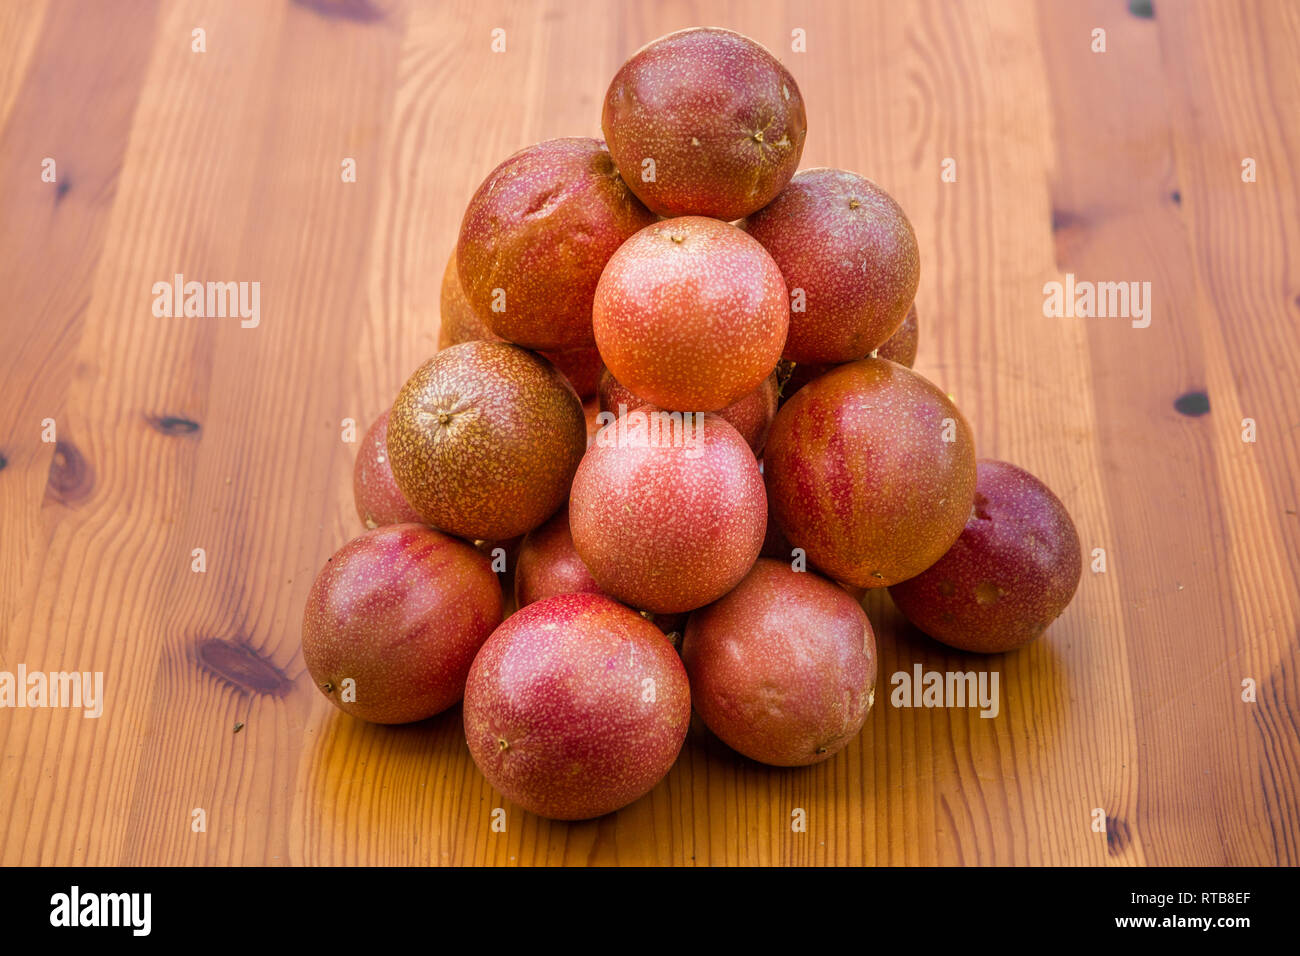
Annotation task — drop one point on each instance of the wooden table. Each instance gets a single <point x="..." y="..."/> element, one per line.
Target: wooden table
<point x="173" y="434"/>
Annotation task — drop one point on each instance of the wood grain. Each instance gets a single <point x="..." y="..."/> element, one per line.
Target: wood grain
<point x="183" y="433"/>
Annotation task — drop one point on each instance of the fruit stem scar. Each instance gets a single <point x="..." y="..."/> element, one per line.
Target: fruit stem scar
<point x="327" y="687"/>
<point x="854" y="204"/>
<point x="444" y="417"/>
<point x="502" y="745"/>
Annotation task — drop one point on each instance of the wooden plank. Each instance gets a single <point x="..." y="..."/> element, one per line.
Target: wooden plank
<point x="1118" y="219"/>
<point x="1243" y="236"/>
<point x="56" y="527"/>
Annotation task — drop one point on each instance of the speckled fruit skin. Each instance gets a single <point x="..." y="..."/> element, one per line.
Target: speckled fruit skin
<point x="582" y="367"/>
<point x="1010" y="574"/>
<point x="378" y="499"/>
<point x="783" y="668"/>
<point x="576" y="706"/>
<point x="691" y="314"/>
<point x="847" y="244"/>
<point x="860" y="477"/>
<point x="662" y="530"/>
<point x="548" y="564"/>
<point x="612" y="393"/>
<point x="775" y="544"/>
<point x="460" y="323"/>
<point x="484" y="439"/>
<point x="751" y="415"/>
<point x="901" y="347"/>
<point x="720" y="116"/>
<point x="401" y="610"/>
<point x="541" y="228"/>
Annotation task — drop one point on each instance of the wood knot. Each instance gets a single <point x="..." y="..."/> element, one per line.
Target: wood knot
<point x="240" y="665"/>
<point x="172" y="424"/>
<point x="1118" y="838"/>
<point x="1193" y="404"/>
<point x="358" y="11"/>
<point x="71" y="478"/>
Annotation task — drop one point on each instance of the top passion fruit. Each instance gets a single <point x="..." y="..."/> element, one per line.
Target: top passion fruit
<point x="704" y="122"/>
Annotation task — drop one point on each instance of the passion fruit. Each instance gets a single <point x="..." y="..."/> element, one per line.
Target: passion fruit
<point x="484" y="439"/>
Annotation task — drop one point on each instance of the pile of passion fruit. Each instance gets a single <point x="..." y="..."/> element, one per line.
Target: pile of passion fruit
<point x="755" y="453"/>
